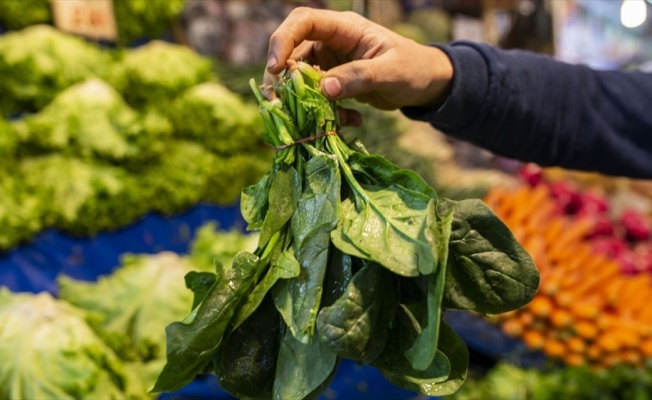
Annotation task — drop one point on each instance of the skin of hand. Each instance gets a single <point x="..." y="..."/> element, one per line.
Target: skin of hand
<point x="362" y="60"/>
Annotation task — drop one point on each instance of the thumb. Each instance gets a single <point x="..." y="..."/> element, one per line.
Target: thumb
<point x="348" y="80"/>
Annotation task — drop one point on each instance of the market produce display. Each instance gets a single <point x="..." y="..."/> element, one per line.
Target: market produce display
<point x="105" y="338"/>
<point x="95" y="139"/>
<point x="592" y="306"/>
<point x="38" y="62"/>
<point x="356" y="258"/>
<point x="135" y="19"/>
<point x="507" y="381"/>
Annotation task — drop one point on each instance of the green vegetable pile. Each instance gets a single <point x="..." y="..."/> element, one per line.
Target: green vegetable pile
<point x="95" y="138"/>
<point x="509" y="382"/>
<point x="104" y="339"/>
<point x="356" y="258"/>
<point x="135" y="19"/>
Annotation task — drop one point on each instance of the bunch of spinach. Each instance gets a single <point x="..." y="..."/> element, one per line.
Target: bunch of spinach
<point x="356" y="258"/>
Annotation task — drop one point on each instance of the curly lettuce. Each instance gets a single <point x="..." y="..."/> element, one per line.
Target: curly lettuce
<point x="38" y="62"/>
<point x="48" y="351"/>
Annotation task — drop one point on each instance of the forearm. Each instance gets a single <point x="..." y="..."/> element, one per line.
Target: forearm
<point x="534" y="108"/>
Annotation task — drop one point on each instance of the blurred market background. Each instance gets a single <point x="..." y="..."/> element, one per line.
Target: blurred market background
<point x="127" y="130"/>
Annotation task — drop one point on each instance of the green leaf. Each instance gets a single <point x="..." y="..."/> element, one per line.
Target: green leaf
<point x="458" y="356"/>
<point x="302" y="368"/>
<point x="285" y="266"/>
<point x="423" y="350"/>
<point x="379" y="170"/>
<point x="283" y="195"/>
<point x="253" y="201"/>
<point x="356" y="325"/>
<point x="388" y="227"/>
<point x="191" y="346"/>
<point x="128" y="303"/>
<point x="488" y="270"/>
<point x="298" y="299"/>
<point x="199" y="283"/>
<point x="443" y="377"/>
<point x="393" y="364"/>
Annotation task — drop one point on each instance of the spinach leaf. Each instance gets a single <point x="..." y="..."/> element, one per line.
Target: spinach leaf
<point x="423" y="350"/>
<point x="199" y="283"/>
<point x="285" y="266"/>
<point x="393" y="364"/>
<point x="379" y="170"/>
<point x="488" y="270"/>
<point x="253" y="201"/>
<point x="283" y="196"/>
<point x="190" y="346"/>
<point x="387" y="226"/>
<point x="298" y="299"/>
<point x="356" y="325"/>
<point x="339" y="273"/>
<point x="301" y="368"/>
<point x="458" y="356"/>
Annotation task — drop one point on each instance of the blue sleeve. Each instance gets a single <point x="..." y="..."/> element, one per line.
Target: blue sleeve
<point x="534" y="108"/>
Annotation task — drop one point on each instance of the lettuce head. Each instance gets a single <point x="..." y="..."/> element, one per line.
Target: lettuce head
<point x="48" y="351"/>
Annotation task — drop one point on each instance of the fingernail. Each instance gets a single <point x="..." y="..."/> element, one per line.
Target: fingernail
<point x="332" y="87"/>
<point x="271" y="61"/>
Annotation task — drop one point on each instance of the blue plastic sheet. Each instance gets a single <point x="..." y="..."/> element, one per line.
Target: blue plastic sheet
<point x="34" y="268"/>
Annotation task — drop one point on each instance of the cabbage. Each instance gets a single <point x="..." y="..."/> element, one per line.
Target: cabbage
<point x="48" y="351"/>
<point x="154" y="74"/>
<point x="91" y="120"/>
<point x="40" y="61"/>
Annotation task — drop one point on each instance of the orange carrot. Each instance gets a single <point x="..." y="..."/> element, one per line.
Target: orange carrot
<point x="574" y="359"/>
<point x="541" y="306"/>
<point x="586" y="329"/>
<point x="560" y="318"/>
<point x="573" y="234"/>
<point x="512" y="327"/>
<point x="576" y="344"/>
<point x="533" y="339"/>
<point x="554" y="347"/>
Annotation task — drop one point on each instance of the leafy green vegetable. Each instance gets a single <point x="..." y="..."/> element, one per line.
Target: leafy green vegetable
<point x="218" y="117"/>
<point x="356" y="325"/>
<point x="20" y="14"/>
<point x="40" y="61"/>
<point x="136" y="19"/>
<point x="212" y="246"/>
<point x="21" y="213"/>
<point x="48" y="351"/>
<point x="150" y="74"/>
<point x="507" y="381"/>
<point x="356" y="254"/>
<point x="73" y="192"/>
<point x="145" y="19"/>
<point x="90" y="120"/>
<point x="488" y="270"/>
<point x="191" y="345"/>
<point x="127" y="303"/>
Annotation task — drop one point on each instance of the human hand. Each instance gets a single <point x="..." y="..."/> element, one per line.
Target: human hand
<point x="362" y="60"/>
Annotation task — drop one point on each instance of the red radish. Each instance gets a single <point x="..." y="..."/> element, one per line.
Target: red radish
<point x="531" y="173"/>
<point x="609" y="246"/>
<point x="637" y="228"/>
<point x="593" y="202"/>
<point x="566" y="195"/>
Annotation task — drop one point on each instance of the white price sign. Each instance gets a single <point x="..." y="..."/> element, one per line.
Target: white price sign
<point x="92" y="18"/>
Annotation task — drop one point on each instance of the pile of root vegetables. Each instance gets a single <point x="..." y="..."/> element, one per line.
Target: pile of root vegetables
<point x="596" y="272"/>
